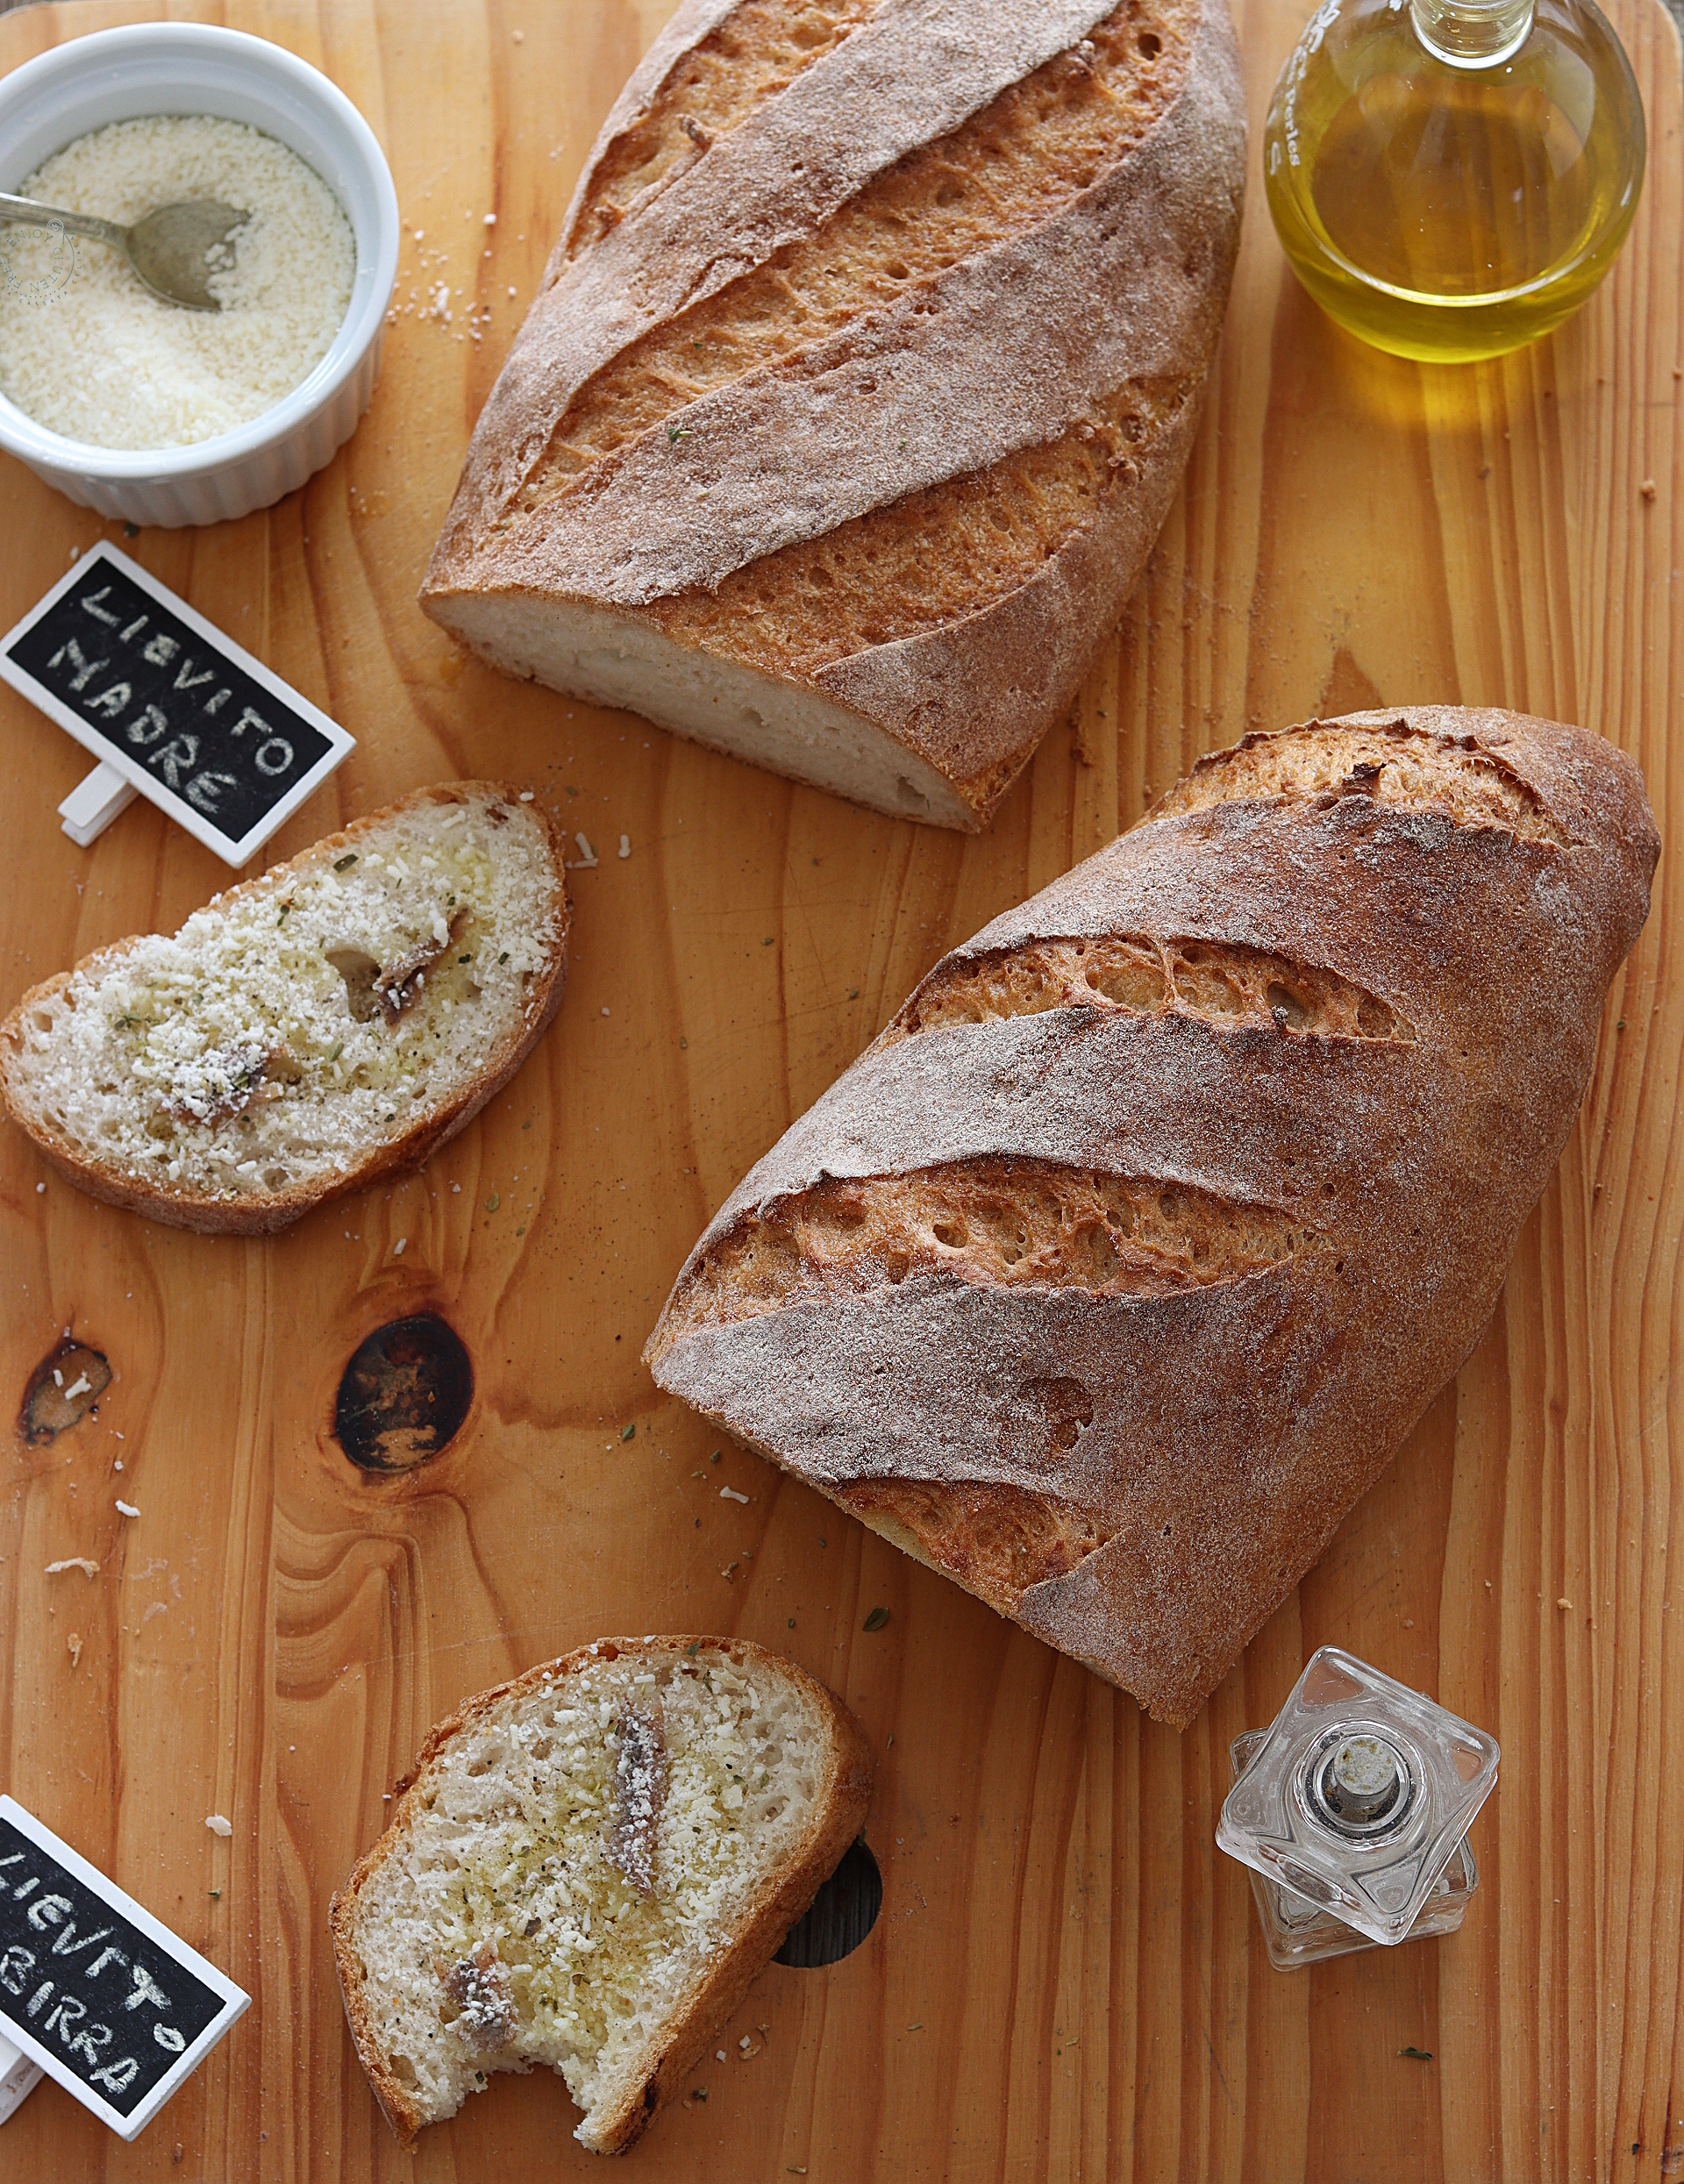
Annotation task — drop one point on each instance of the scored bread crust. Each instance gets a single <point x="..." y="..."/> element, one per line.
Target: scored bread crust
<point x="1107" y="1289"/>
<point x="908" y="407"/>
<point x="766" y="1916"/>
<point x="262" y="1214"/>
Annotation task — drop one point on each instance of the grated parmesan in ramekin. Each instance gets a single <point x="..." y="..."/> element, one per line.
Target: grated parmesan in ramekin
<point x="103" y="361"/>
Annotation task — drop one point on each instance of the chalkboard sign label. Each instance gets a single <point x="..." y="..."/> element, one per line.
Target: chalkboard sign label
<point x="93" y="1987"/>
<point x="163" y="697"/>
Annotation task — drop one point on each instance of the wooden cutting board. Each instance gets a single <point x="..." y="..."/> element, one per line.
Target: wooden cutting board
<point x="1065" y="1979"/>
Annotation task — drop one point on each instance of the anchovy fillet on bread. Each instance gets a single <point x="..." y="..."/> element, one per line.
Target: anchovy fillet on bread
<point x="337" y="1019"/>
<point x="1117" y="1269"/>
<point x="587" y="1868"/>
<point x="860" y="380"/>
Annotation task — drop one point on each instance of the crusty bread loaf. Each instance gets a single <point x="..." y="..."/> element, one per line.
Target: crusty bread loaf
<point x="1118" y="1268"/>
<point x="860" y="380"/>
<point x="308" y="1031"/>
<point x="587" y="1868"/>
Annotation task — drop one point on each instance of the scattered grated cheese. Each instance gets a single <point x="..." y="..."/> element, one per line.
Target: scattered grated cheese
<point x="730" y="1493"/>
<point x="218" y="1825"/>
<point x="127" y="1509"/>
<point x="74" y="1562"/>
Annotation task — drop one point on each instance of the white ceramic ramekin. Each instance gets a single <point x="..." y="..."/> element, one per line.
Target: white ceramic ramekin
<point x="197" y="68"/>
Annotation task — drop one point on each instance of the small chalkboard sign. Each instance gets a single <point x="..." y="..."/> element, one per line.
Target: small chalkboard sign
<point x="93" y="1987"/>
<point x="166" y="700"/>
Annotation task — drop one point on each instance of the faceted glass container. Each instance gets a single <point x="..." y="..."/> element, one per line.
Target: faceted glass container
<point x="1298" y="1932"/>
<point x="1359" y="1795"/>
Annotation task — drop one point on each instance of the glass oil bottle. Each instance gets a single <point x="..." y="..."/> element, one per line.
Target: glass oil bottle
<point x="1452" y="178"/>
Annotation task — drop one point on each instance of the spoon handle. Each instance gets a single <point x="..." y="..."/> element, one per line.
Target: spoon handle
<point x="26" y="211"/>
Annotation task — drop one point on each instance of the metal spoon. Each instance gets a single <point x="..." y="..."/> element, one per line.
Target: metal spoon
<point x="171" y="249"/>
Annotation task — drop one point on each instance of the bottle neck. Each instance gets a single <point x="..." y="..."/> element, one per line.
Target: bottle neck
<point x="1472" y="33"/>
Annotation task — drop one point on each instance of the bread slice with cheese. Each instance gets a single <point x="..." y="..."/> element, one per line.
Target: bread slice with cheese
<point x="308" y="1031"/>
<point x="587" y="1868"/>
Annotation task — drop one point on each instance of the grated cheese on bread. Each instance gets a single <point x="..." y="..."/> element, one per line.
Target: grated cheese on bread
<point x="308" y="1031"/>
<point x="587" y="1868"/>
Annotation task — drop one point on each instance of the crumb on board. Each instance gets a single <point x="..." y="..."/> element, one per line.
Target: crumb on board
<point x="84" y="1563"/>
<point x="217" y="1824"/>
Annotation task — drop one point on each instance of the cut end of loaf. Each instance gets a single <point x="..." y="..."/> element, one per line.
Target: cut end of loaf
<point x="613" y="658"/>
<point x="585" y="1871"/>
<point x="337" y="1016"/>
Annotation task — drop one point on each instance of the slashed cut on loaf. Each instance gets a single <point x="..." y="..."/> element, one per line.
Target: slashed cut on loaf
<point x="308" y="1031"/>
<point x="587" y="1868"/>
<point x="860" y="380"/>
<point x="1120" y="1264"/>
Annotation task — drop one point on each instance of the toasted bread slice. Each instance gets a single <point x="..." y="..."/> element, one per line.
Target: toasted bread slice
<point x="587" y="1868"/>
<point x="308" y="1031"/>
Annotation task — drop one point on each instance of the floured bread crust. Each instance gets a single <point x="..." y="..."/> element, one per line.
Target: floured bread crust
<point x="860" y="380"/>
<point x="1119" y="1265"/>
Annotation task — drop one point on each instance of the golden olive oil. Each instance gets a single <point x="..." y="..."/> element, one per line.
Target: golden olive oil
<point x="1441" y="208"/>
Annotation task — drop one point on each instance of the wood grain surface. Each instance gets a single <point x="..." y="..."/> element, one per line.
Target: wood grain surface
<point x="1065" y="1979"/>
